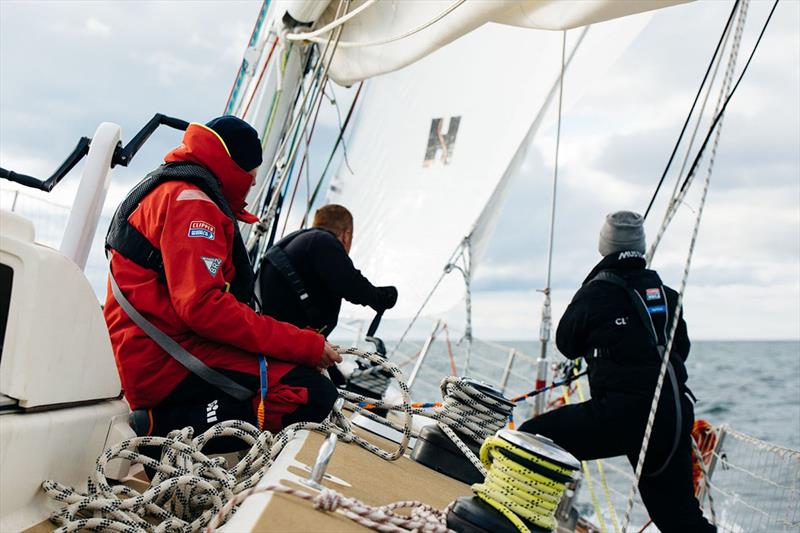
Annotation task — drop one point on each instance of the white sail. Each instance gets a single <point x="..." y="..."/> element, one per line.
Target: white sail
<point x="433" y="147"/>
<point x="390" y="34"/>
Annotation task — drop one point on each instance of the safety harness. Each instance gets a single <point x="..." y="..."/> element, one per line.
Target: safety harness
<point x="658" y="343"/>
<point x="125" y="239"/>
<point x="278" y="258"/>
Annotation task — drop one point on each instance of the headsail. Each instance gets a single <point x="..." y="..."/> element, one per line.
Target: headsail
<point x="437" y="142"/>
<point x="389" y="35"/>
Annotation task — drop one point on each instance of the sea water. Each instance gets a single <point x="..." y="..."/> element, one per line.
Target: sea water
<point x="752" y="386"/>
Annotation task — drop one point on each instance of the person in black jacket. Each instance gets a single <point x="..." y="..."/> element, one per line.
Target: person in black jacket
<point x="619" y="321"/>
<point x="306" y="274"/>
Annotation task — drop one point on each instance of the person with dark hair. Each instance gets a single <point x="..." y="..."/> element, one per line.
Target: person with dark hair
<point x="305" y="275"/>
<point x="190" y="349"/>
<point x="619" y="321"/>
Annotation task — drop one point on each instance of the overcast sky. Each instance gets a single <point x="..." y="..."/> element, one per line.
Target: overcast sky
<point x="67" y="66"/>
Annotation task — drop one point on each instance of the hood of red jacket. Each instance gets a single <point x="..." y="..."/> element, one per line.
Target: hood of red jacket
<point x="203" y="146"/>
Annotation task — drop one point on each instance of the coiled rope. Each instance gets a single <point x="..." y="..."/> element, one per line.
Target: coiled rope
<point x="467" y="410"/>
<point x="190" y="488"/>
<point x="520" y="484"/>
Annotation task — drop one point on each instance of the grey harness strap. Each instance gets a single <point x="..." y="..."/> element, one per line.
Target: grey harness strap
<point x="189" y="361"/>
<point x="641" y="310"/>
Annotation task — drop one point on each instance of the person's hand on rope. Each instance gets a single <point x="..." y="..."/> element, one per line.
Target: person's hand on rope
<point x="329" y="357"/>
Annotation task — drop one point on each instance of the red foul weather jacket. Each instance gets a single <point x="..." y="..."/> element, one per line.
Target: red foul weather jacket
<point x="192" y="304"/>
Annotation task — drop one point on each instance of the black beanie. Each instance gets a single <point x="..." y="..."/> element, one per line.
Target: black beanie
<point x="241" y="140"/>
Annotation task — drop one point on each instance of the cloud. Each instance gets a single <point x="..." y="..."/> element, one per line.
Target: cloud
<point x="95" y="27"/>
<point x="181" y="59"/>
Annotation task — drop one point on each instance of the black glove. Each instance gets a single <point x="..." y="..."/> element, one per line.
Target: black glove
<point x="387" y="297"/>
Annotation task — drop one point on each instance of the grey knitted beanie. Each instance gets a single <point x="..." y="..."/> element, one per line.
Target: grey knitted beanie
<point x="623" y="230"/>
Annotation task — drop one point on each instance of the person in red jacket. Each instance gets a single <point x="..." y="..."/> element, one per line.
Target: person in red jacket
<point x="178" y="260"/>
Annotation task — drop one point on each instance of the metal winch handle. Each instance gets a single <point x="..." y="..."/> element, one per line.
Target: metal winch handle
<point x="380" y="347"/>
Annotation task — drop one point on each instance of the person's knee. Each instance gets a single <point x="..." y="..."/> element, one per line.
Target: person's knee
<point x="322" y="394"/>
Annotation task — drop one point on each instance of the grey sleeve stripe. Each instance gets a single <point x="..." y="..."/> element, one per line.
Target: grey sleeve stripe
<point x="189" y="361"/>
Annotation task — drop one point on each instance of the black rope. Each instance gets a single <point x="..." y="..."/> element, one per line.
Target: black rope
<point x="691" y="111"/>
<point x="697" y="159"/>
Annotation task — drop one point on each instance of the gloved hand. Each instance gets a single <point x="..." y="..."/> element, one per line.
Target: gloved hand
<point x="387" y="297"/>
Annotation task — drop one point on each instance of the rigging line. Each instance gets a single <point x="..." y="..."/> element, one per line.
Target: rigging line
<point x="555" y="166"/>
<point x="300" y="171"/>
<point x="261" y="75"/>
<point x="260" y="228"/>
<point x="691" y="110"/>
<point x="453" y="256"/>
<point x="546" y="323"/>
<point x="237" y="83"/>
<point x="687" y="265"/>
<point x="672" y="209"/>
<point x="409" y="33"/>
<point x="335" y="102"/>
<point x="693" y="168"/>
<point x="307" y="138"/>
<point x="279" y="152"/>
<point x="306" y="36"/>
<point x="675" y="198"/>
<point x="339" y="141"/>
<point x="290" y="170"/>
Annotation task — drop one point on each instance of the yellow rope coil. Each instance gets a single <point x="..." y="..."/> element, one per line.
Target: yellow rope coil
<point x="515" y="490"/>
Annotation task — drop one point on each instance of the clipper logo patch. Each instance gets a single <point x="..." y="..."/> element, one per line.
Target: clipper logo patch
<point x="198" y="228"/>
<point x="653" y="294"/>
<point x="657" y="309"/>
<point x="212" y="264"/>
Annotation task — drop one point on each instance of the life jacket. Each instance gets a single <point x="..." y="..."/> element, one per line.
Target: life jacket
<point x="128" y="241"/>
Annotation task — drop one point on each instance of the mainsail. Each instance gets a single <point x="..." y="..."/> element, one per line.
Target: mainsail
<point x="436" y="144"/>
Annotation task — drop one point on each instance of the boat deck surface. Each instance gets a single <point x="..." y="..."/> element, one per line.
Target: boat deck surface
<point x="371" y="479"/>
<point x="366" y="477"/>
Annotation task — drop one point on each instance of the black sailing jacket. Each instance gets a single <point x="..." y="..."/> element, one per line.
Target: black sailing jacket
<point x="602" y="325"/>
<point x="328" y="274"/>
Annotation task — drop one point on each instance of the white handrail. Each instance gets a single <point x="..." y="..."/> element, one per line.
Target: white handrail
<point x="88" y="204"/>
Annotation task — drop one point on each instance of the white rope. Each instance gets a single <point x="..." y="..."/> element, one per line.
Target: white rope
<point x="665" y="362"/>
<point x="190" y="488"/>
<point x="422" y="517"/>
<point x="469" y="412"/>
<point x="306" y="36"/>
<point x="366" y="44"/>
<point x="762" y="445"/>
<point x="727" y="464"/>
<point x="676" y="199"/>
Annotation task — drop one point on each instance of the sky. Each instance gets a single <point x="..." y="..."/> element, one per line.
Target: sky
<point x="66" y="66"/>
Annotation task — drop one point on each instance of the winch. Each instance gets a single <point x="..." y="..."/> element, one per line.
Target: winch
<point x="471" y="411"/>
<point x="527" y="476"/>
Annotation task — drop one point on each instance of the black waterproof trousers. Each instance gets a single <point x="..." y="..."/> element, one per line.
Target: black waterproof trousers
<point x="196" y="403"/>
<point x="612" y="424"/>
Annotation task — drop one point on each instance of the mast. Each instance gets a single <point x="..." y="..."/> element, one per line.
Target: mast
<point x="546" y="323"/>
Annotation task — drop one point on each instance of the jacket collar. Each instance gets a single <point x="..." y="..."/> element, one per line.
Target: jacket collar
<point x="625" y="261"/>
<point x="202" y="145"/>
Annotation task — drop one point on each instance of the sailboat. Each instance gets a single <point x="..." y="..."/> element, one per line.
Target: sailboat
<point x="404" y="163"/>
